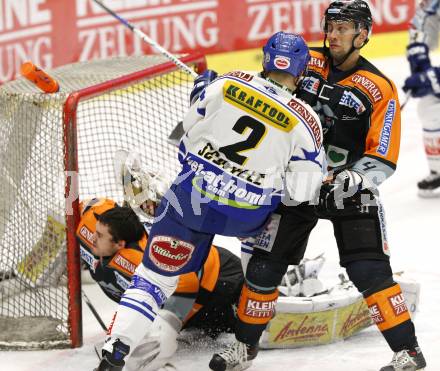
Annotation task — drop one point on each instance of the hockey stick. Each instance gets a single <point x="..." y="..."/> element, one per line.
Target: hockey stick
<point x="405" y="100"/>
<point x="148" y="40"/>
<point x="93" y="310"/>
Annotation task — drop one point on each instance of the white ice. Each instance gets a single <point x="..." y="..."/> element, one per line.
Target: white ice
<point x="413" y="231"/>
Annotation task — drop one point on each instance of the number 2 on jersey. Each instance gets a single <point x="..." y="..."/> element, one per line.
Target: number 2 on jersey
<point x="258" y="130"/>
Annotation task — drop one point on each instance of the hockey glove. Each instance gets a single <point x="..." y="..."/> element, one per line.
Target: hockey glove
<point x="424" y="83"/>
<point x="344" y="196"/>
<point x="113" y="361"/>
<point x="200" y="83"/>
<point x="417" y="54"/>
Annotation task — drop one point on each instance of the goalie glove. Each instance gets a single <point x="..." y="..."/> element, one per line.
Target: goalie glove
<point x="200" y="83"/>
<point x="417" y="54"/>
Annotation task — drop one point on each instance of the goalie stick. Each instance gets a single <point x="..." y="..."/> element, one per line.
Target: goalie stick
<point x="94" y="311"/>
<point x="148" y="40"/>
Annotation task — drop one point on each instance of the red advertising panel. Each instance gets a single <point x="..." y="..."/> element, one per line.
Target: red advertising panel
<point x="55" y="32"/>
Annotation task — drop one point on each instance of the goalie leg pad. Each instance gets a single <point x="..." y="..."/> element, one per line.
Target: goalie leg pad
<point x="158" y="346"/>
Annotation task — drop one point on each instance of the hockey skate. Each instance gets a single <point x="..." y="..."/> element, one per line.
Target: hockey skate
<point x="406" y="360"/>
<point x="430" y="186"/>
<point x="238" y="356"/>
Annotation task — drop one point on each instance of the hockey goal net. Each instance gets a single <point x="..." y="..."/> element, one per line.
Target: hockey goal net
<point x="56" y="149"/>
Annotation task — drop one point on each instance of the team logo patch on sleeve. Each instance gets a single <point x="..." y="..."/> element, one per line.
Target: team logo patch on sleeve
<point x="240" y="75"/>
<point x="170" y="254"/>
<point x="308" y="118"/>
<point x="385" y="134"/>
<point x="372" y="88"/>
<point x="88" y="258"/>
<point x="310" y="84"/>
<point x="122" y="281"/>
<point x="87" y="234"/>
<point x="123" y="264"/>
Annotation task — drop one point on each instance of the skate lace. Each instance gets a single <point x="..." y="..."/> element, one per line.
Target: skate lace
<point x="402" y="358"/>
<point x="237" y="353"/>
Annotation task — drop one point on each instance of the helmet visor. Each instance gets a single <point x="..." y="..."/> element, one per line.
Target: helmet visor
<point x="341" y="26"/>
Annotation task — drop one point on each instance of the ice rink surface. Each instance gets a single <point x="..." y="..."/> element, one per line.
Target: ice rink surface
<point x="414" y="239"/>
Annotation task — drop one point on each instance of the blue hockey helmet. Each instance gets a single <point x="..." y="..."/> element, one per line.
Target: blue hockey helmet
<point x="286" y="52"/>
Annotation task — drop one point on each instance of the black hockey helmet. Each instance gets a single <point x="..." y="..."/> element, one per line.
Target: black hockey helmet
<point x="356" y="11"/>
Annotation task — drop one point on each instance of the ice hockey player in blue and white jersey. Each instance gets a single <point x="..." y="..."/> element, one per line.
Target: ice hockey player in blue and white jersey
<point x="247" y="141"/>
<point x="424" y="83"/>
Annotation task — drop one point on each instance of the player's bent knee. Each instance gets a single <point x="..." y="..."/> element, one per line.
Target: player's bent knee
<point x="159" y="286"/>
<point x="264" y="274"/>
<point x="369" y="274"/>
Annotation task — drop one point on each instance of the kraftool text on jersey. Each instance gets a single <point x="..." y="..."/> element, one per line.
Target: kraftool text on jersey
<point x="250" y="100"/>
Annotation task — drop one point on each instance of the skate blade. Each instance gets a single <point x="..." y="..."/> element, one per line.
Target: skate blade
<point x="429" y="193"/>
<point x="240" y="367"/>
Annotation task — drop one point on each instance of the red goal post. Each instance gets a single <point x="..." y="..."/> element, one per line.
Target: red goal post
<point x="56" y="150"/>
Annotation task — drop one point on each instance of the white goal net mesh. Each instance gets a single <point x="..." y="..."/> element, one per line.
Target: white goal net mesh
<point x="135" y="113"/>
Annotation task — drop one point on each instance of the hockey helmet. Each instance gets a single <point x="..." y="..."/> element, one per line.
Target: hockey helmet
<point x="356" y="11"/>
<point x="286" y="52"/>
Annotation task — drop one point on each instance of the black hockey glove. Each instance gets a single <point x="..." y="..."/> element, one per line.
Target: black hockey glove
<point x="424" y="83"/>
<point x="114" y="361"/>
<point x="200" y="83"/>
<point x="417" y="54"/>
<point x="344" y="196"/>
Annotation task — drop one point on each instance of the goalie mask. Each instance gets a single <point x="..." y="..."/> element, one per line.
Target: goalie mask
<point x="286" y="52"/>
<point x="142" y="188"/>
